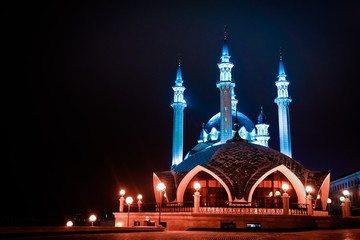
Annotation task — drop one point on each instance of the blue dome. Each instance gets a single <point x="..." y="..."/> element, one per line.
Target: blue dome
<point x="242" y="119"/>
<point x="262" y="118"/>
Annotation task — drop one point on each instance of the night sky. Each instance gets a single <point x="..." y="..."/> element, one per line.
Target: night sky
<point x="86" y="91"/>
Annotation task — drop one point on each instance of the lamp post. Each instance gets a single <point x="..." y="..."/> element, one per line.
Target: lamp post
<point x="309" y="190"/>
<point x="346" y="194"/>
<point x="285" y="198"/>
<point x="139" y="203"/>
<point x="161" y="188"/>
<point x="129" y="201"/>
<point x="122" y="200"/>
<point x="92" y="219"/>
<point x="197" y="196"/>
<point x="342" y="205"/>
<point x="329" y="203"/>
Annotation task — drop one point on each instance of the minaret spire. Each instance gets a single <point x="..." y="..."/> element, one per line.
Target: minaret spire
<point x="225" y="85"/>
<point x="283" y="100"/>
<point x="178" y="105"/>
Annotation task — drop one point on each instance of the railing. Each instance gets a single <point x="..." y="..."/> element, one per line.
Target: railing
<point x="295" y="209"/>
<point x="242" y="210"/>
<point x="298" y="209"/>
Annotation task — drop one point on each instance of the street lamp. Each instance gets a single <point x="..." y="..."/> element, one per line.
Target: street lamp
<point x="161" y="188"/>
<point x="309" y="190"/>
<point x="197" y="196"/>
<point x="197" y="186"/>
<point x="129" y="201"/>
<point x="122" y="192"/>
<point x="329" y="203"/>
<point x="122" y="200"/>
<point x="139" y="197"/>
<point x="346" y="193"/>
<point x="285" y="187"/>
<point x="69" y="224"/>
<point x="92" y="219"/>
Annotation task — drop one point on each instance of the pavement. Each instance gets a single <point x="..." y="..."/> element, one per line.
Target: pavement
<point x="338" y="234"/>
<point x="12" y="232"/>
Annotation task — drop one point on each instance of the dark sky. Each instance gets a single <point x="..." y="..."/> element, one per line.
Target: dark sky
<point x="87" y="91"/>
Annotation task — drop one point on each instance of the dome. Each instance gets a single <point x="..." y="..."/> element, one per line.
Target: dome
<point x="262" y="118"/>
<point x="243" y="120"/>
<point x="241" y="164"/>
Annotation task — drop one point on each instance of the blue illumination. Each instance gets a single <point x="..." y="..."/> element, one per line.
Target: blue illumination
<point x="283" y="102"/>
<point x="178" y="104"/>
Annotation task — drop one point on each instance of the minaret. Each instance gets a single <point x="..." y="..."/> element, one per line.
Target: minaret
<point x="225" y="85"/>
<point x="178" y="129"/>
<point x="262" y="136"/>
<point x="283" y="100"/>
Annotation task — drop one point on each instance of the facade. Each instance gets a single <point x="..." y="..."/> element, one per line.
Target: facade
<point x="231" y="170"/>
<point x="232" y="162"/>
<point x="348" y="182"/>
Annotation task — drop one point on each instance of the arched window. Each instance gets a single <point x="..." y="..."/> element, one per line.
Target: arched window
<point x="268" y="192"/>
<point x="212" y="192"/>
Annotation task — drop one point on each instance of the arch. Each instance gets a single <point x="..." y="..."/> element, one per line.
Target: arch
<point x="186" y="180"/>
<point x="294" y="180"/>
<point x="324" y="192"/>
<point x="156" y="181"/>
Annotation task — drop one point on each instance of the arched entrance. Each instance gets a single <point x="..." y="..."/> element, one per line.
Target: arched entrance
<point x="213" y="194"/>
<point x="268" y="192"/>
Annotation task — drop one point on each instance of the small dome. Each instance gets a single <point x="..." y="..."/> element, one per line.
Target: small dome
<point x="262" y="118"/>
<point x="242" y="119"/>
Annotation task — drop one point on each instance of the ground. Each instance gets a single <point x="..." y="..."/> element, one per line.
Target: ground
<point x="341" y="234"/>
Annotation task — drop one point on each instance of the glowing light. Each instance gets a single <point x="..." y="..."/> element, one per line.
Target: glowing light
<point x="342" y="199"/>
<point x="119" y="224"/>
<point x="161" y="187"/>
<point x="139" y="197"/>
<point x="329" y="201"/>
<point x="69" y="224"/>
<point x="308" y="189"/>
<point x="346" y="193"/>
<point x="122" y="192"/>
<point x="92" y="218"/>
<point x="197" y="186"/>
<point x="285" y="187"/>
<point x="129" y="200"/>
<point x="277" y="193"/>
<point x="270" y="194"/>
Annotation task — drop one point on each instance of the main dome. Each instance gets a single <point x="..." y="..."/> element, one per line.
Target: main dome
<point x="240" y="165"/>
<point x="243" y="120"/>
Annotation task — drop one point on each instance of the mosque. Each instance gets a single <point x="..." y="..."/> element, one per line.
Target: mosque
<point x="232" y="160"/>
<point x="232" y="164"/>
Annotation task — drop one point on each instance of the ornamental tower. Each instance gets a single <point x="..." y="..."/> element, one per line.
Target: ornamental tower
<point x="262" y="136"/>
<point x="178" y="128"/>
<point x="226" y="86"/>
<point x="283" y="100"/>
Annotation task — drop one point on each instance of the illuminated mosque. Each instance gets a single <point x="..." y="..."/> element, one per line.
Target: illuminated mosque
<point x="232" y="160"/>
<point x="231" y="178"/>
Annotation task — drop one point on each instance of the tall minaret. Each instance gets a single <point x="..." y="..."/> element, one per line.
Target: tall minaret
<point x="178" y="129"/>
<point x="283" y="100"/>
<point x="225" y="85"/>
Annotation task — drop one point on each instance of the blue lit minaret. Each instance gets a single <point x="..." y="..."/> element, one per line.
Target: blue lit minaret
<point x="178" y="129"/>
<point x="225" y="85"/>
<point x="283" y="100"/>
